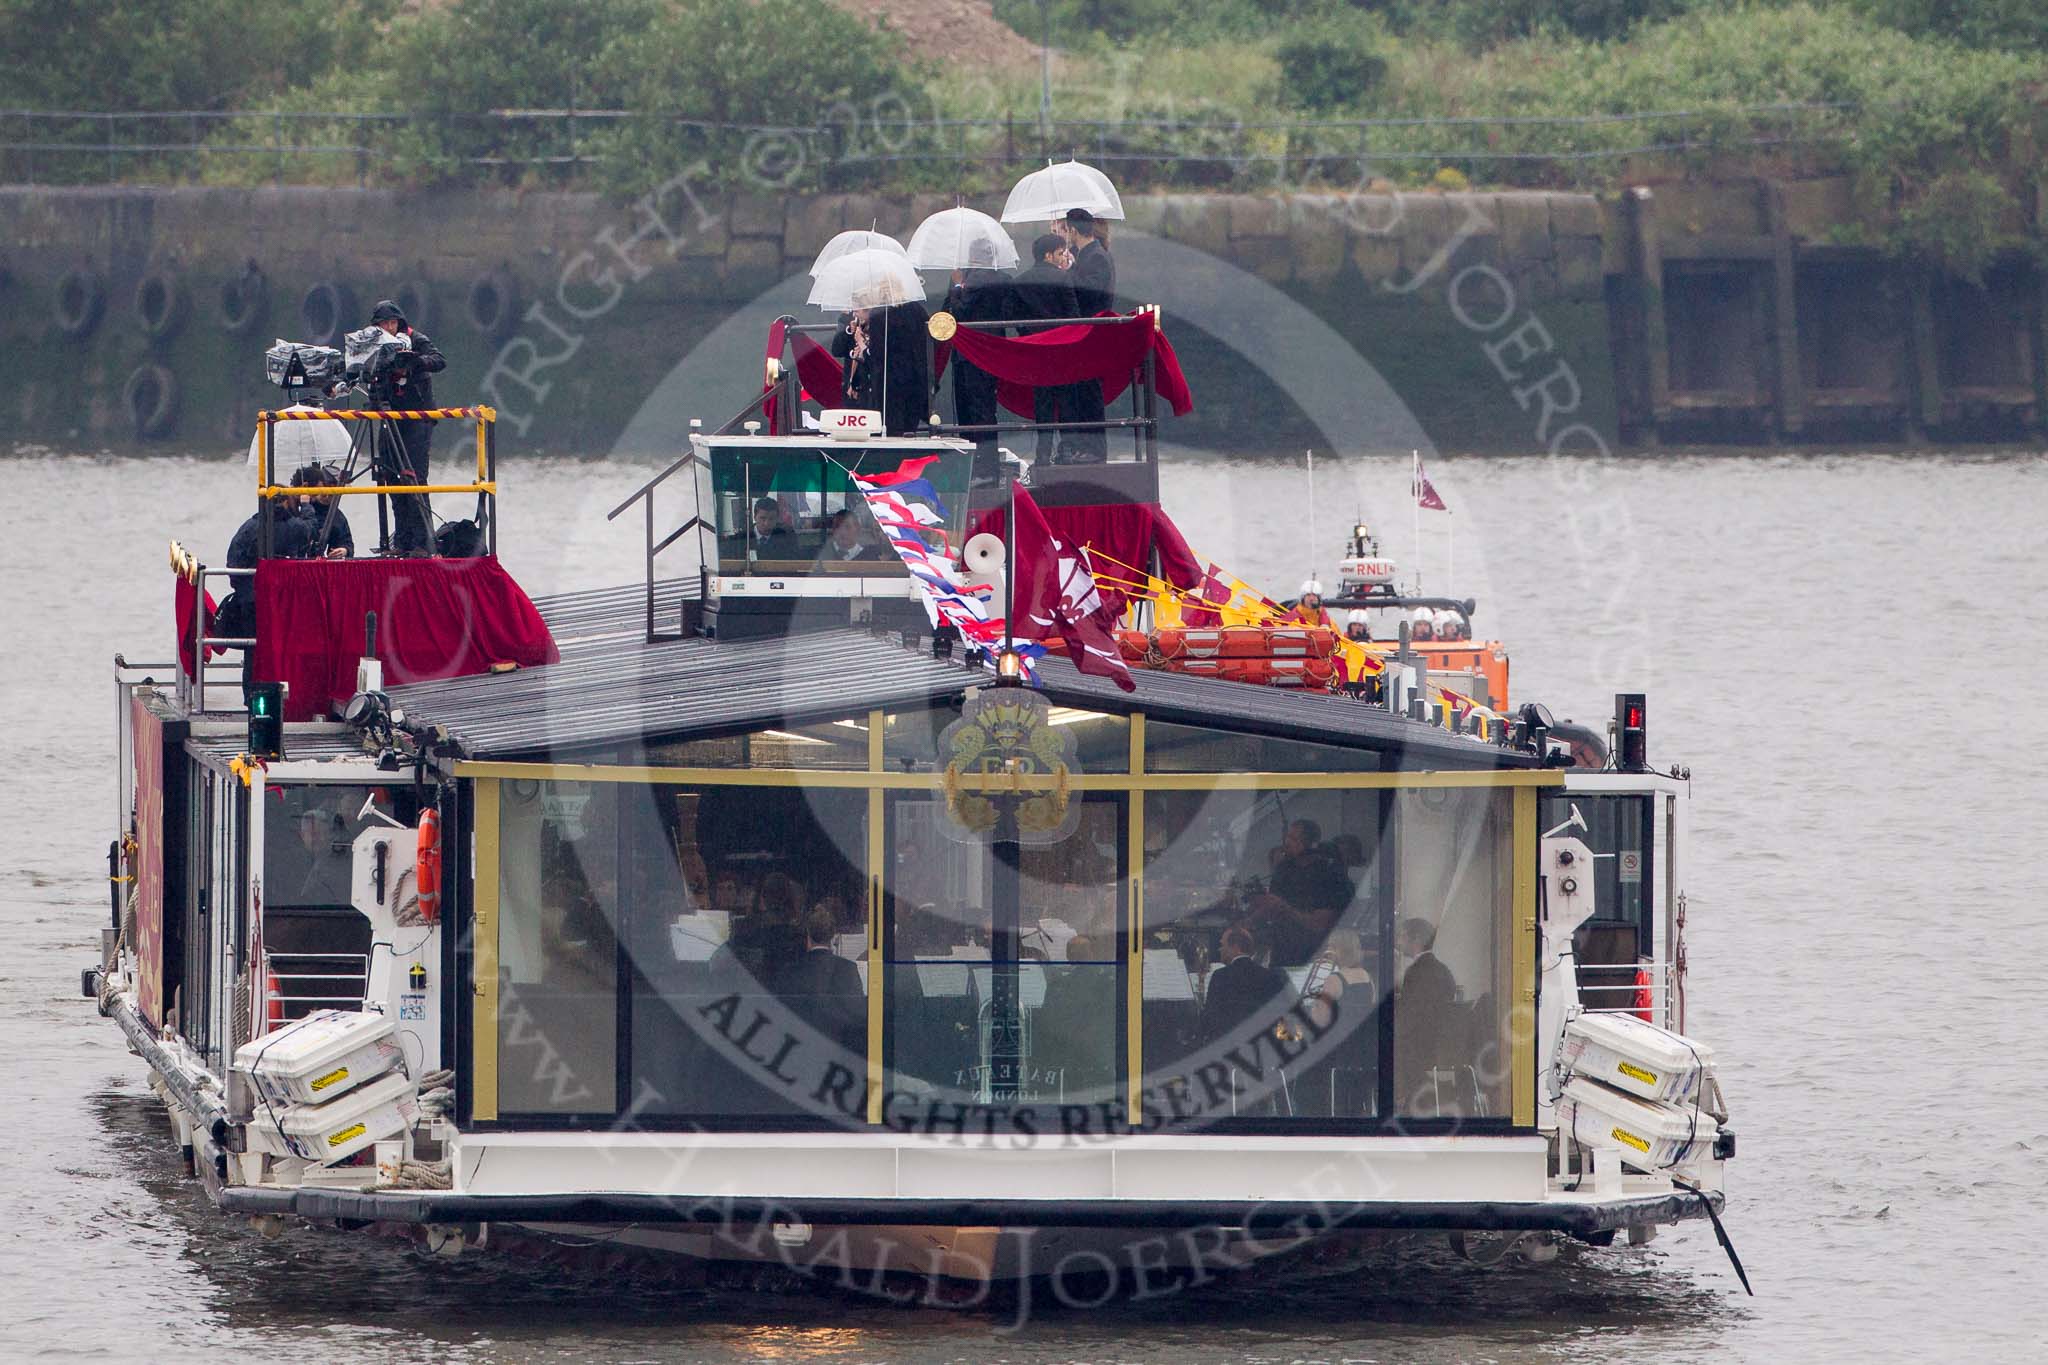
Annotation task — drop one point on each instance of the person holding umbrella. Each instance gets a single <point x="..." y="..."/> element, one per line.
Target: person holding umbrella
<point x="1095" y="291"/>
<point x="980" y="293"/>
<point x="1043" y="290"/>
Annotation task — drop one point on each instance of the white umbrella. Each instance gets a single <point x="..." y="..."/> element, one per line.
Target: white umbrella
<point x="1045" y="195"/>
<point x="850" y="241"/>
<point x="872" y="278"/>
<point x="962" y="239"/>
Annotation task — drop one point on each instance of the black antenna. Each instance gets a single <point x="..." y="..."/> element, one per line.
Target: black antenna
<point x="370" y="633"/>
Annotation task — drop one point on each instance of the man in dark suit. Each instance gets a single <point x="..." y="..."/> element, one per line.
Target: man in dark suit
<point x="1095" y="290"/>
<point x="823" y="989"/>
<point x="980" y="293"/>
<point x="1043" y="290"/>
<point x="1428" y="1024"/>
<point x="1244" y="996"/>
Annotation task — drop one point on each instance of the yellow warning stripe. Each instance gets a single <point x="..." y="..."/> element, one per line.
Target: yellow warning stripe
<point x="359" y="414"/>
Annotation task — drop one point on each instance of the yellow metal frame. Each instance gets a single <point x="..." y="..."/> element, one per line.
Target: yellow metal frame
<point x="483" y="928"/>
<point x="877" y="781"/>
<point x="267" y="487"/>
<point x="1522" y="945"/>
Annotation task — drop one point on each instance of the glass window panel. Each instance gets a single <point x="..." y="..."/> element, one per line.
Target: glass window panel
<point x="309" y="835"/>
<point x="1173" y="748"/>
<point x="1453" y="893"/>
<point x="749" y="951"/>
<point x="1621" y="932"/>
<point x="559" y="911"/>
<point x="1263" y="955"/>
<point x="942" y="981"/>
<point x="835" y="746"/>
<point x="910" y="738"/>
<point x="775" y="507"/>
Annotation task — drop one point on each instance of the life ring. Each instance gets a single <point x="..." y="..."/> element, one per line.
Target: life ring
<point x="243" y="301"/>
<point x="1642" y="1006"/>
<point x="326" y="311"/>
<point x="426" y="873"/>
<point x="160" y="304"/>
<point x="494" y="304"/>
<point x="151" y="396"/>
<point x="415" y="302"/>
<point x="80" y="298"/>
<point x="273" y="995"/>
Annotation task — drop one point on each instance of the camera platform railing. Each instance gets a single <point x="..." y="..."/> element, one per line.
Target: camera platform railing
<point x="485" y="485"/>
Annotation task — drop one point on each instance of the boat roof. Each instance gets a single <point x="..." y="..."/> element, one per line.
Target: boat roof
<point x="614" y="688"/>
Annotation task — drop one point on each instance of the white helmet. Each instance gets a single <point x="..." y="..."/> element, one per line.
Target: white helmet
<point x="1354" y="618"/>
<point x="1313" y="585"/>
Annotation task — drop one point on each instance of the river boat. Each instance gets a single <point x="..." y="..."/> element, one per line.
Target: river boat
<point x="746" y="916"/>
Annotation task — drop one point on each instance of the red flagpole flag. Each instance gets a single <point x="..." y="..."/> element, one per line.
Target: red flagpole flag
<point x="1055" y="595"/>
<point x="1426" y="496"/>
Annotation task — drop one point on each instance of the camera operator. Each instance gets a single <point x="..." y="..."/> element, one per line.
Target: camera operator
<point x="405" y="382"/>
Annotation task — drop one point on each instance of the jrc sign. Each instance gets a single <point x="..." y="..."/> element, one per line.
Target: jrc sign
<point x="850" y="424"/>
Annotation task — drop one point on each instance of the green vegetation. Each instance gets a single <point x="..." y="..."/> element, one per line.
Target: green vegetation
<point x="1935" y="107"/>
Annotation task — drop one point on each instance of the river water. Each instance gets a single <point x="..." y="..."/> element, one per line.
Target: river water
<point x="1842" y="648"/>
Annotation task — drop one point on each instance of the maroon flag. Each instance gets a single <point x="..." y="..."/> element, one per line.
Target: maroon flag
<point x="1426" y="496"/>
<point x="1055" y="596"/>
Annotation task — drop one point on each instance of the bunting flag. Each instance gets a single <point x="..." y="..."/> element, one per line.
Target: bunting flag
<point x="1426" y="496"/>
<point x="1056" y="596"/>
<point x="904" y="505"/>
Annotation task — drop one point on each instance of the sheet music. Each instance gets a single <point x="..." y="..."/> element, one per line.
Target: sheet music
<point x="694" y="938"/>
<point x="941" y="979"/>
<point x="1030" y="984"/>
<point x="1166" y="976"/>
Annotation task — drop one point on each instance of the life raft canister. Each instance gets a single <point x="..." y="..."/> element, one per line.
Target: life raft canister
<point x="426" y="872"/>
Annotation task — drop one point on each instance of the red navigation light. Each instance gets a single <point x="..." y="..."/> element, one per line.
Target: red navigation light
<point x="1631" y="732"/>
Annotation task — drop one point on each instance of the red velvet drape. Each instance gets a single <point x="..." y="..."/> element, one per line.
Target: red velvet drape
<point x="436" y="618"/>
<point x="1065" y="355"/>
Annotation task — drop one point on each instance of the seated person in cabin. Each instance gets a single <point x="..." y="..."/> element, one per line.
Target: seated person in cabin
<point x="845" y="543"/>
<point x="327" y="532"/>
<point x="1244" y="996"/>
<point x="1427" y="1023"/>
<point x="773" y="539"/>
<point x="822" y="988"/>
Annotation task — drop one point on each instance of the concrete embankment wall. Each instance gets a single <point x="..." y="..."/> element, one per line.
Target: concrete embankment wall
<point x="1496" y="321"/>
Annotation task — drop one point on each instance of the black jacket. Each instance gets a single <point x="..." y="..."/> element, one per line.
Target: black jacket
<point x="823" y="989"/>
<point x="408" y="381"/>
<point x="1094" y="275"/>
<point x="898" y="340"/>
<point x="290" y="538"/>
<point x="323" y="535"/>
<point x="982" y="296"/>
<point x="1244" y="998"/>
<point x="1044" y="291"/>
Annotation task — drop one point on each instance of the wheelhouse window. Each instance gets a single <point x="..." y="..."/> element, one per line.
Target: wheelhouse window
<point x="1620" y="937"/>
<point x="794" y="509"/>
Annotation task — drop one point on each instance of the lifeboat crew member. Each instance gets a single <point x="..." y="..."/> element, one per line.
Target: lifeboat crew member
<point x="1044" y="290"/>
<point x="406" y="384"/>
<point x="1095" y="291"/>
<point x="1308" y="610"/>
<point x="1356" y="627"/>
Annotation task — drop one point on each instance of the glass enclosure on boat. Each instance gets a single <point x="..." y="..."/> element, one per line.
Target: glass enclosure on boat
<point x="791" y="929"/>
<point x="779" y="509"/>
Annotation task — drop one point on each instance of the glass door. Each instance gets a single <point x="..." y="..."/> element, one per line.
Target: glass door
<point x="953" y="1040"/>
